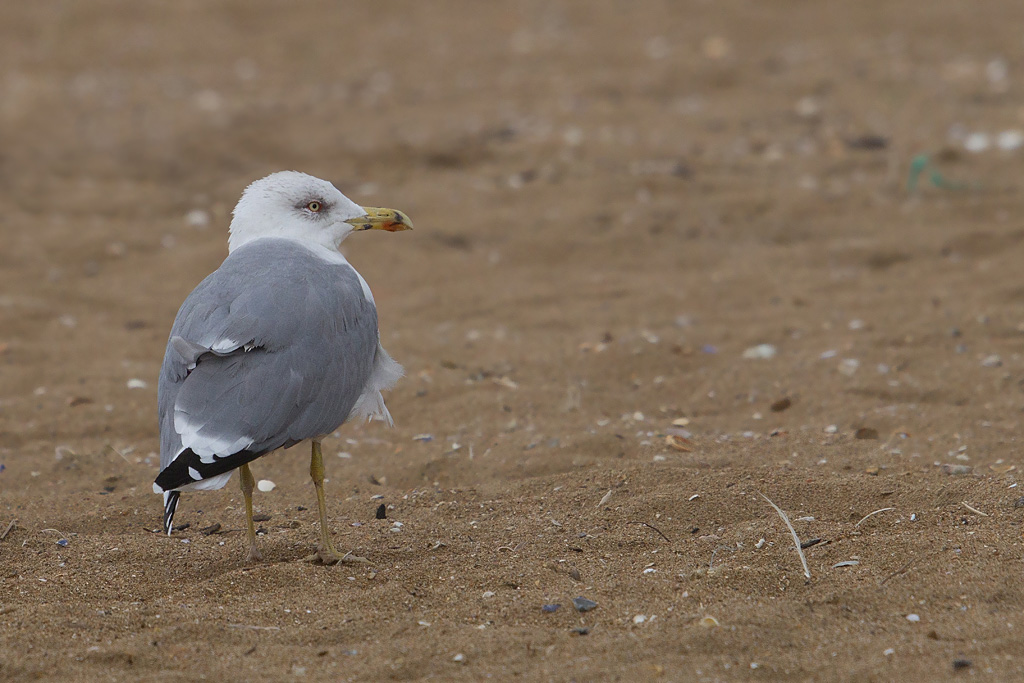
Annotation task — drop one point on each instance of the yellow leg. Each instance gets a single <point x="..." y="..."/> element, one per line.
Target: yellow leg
<point x="326" y="553"/>
<point x="248" y="484"/>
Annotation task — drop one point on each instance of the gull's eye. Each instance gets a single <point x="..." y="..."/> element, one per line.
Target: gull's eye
<point x="314" y="206"/>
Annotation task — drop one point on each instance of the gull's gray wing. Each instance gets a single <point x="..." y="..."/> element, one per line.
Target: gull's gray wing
<point x="274" y="347"/>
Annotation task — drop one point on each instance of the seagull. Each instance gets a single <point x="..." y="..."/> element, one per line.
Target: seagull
<point x="279" y="345"/>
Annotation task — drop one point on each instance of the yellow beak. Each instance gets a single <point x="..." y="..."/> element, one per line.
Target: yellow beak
<point x="381" y="219"/>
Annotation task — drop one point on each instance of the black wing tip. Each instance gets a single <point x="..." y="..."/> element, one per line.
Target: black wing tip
<point x="189" y="468"/>
<point x="170" y="506"/>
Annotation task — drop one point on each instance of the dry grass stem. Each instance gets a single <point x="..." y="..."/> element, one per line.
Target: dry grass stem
<point x="255" y="628"/>
<point x="872" y="513"/>
<point x="651" y="526"/>
<point x="123" y="456"/>
<point x="973" y="509"/>
<point x="796" y="539"/>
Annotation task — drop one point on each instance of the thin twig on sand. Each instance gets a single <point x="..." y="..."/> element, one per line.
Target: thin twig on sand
<point x="872" y="513"/>
<point x="8" y="529"/>
<point x="651" y="526"/>
<point x="796" y="539"/>
<point x="123" y="456"/>
<point x="973" y="509"/>
<point x="907" y="565"/>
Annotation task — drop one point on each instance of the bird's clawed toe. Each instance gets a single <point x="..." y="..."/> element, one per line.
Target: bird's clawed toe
<point x="329" y="556"/>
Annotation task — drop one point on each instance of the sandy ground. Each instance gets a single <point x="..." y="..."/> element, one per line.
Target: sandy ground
<point x="614" y="202"/>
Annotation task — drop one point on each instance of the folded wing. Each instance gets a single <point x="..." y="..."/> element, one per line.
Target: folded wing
<point x="276" y="346"/>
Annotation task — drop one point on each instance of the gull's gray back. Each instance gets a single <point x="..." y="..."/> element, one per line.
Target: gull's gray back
<point x="282" y="342"/>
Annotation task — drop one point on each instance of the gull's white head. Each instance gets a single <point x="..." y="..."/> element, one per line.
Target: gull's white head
<point x="297" y="206"/>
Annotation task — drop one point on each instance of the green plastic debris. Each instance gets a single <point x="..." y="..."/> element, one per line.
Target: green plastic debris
<point x="920" y="164"/>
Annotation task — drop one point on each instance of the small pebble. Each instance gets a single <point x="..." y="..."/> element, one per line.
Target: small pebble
<point x="992" y="361"/>
<point x="197" y="218"/>
<point x="137" y="384"/>
<point x="761" y="351"/>
<point x="1009" y="140"/>
<point x="550" y="608"/>
<point x="265" y="485"/>
<point x="62" y="542"/>
<point x="709" y="622"/>
<point x="582" y="604"/>
<point x="488" y="594"/>
<point x="959" y="664"/>
<point x="996" y="71"/>
<point x="977" y="142"/>
<point x="889" y="652"/>
<point x="831" y="429"/>
<point x="808" y="107"/>
<point x="581" y="631"/>
<point x="870" y="142"/>
<point x="459" y="658"/>
<point x="848" y="366"/>
<point x="913" y="618"/>
<point x="639" y="619"/>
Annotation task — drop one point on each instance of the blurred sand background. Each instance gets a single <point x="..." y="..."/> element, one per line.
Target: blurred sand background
<point x="618" y="205"/>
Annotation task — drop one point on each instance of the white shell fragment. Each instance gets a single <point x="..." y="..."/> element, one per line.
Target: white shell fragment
<point x="761" y="351"/>
<point x="1010" y="140"/>
<point x="977" y="142"/>
<point x="265" y="485"/>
